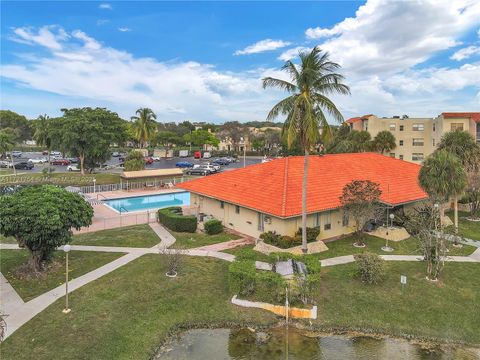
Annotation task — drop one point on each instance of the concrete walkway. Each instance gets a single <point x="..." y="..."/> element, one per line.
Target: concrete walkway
<point x="10" y="298"/>
<point x="166" y="239"/>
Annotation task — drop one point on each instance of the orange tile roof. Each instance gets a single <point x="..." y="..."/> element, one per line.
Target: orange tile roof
<point x="275" y="187"/>
<point x="475" y="116"/>
<point x="355" y="119"/>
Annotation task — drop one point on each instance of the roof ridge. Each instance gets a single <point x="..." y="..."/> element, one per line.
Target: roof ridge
<point x="285" y="187"/>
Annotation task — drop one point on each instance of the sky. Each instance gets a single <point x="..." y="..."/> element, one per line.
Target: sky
<point x="204" y="61"/>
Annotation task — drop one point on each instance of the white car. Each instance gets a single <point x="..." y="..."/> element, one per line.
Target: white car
<point x="38" y="161"/>
<point x="56" y="153"/>
<point x="73" y="168"/>
<point x="209" y="167"/>
<point x="156" y="158"/>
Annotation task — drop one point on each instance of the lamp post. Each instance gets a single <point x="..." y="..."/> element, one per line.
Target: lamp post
<point x="388" y="248"/>
<point x="66" y="248"/>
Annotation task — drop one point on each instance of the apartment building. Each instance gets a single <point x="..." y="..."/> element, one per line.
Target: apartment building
<point x="418" y="137"/>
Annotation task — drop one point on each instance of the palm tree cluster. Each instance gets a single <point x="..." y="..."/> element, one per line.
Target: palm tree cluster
<point x="144" y="126"/>
<point x="311" y="83"/>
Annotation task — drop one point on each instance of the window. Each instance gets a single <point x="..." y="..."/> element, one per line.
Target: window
<point x="261" y="222"/>
<point x="392" y="155"/>
<point x="417" y="127"/>
<point x="417" y="157"/>
<point x="417" y="142"/>
<point x="327" y="219"/>
<point x="456" y="126"/>
<point x="433" y="142"/>
<point x="393" y="127"/>
<point x="222" y="204"/>
<point x="400" y="157"/>
<point x="401" y="143"/>
<point x="401" y="127"/>
<point x="433" y="126"/>
<point x="237" y="209"/>
<point x="317" y="220"/>
<point x="345" y="218"/>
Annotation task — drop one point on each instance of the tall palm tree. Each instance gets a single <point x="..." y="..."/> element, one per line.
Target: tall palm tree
<point x="144" y="126"/>
<point x="384" y="141"/>
<point x="310" y="84"/>
<point x="442" y="177"/>
<point x="6" y="143"/>
<point x="42" y="134"/>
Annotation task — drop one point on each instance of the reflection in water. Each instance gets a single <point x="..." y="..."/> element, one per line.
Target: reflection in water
<point x="272" y="344"/>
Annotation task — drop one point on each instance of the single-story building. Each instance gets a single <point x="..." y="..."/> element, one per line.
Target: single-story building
<point x="268" y="196"/>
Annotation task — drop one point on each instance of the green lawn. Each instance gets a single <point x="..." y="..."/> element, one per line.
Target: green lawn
<point x="193" y="240"/>
<point x="468" y="229"/>
<point x="7" y="240"/>
<point x="62" y="178"/>
<point x="126" y="314"/>
<point x="130" y="236"/>
<point x="446" y="310"/>
<point x="80" y="262"/>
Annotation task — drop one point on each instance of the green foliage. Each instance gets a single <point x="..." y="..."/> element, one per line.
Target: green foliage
<point x="173" y="219"/>
<point x="370" y="267"/>
<point x="213" y="227"/>
<point x="6" y="143"/>
<point x="16" y="125"/>
<point x="201" y="137"/>
<point x="270" y="287"/>
<point x="134" y="161"/>
<point x="384" y="141"/>
<point x="462" y="144"/>
<point x="312" y="234"/>
<point x="283" y="242"/>
<point x="41" y="219"/>
<point x="350" y="141"/>
<point x="241" y="277"/>
<point x="144" y="125"/>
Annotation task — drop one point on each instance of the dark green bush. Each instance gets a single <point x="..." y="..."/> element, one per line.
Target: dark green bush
<point x="370" y="267"/>
<point x="270" y="237"/>
<point x="241" y="277"/>
<point x="213" y="227"/>
<point x="270" y="287"/>
<point x="312" y="234"/>
<point x="174" y="220"/>
<point x="134" y="161"/>
<point x="283" y="242"/>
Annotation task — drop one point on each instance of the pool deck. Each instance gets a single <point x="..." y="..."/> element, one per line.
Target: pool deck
<point x="106" y="218"/>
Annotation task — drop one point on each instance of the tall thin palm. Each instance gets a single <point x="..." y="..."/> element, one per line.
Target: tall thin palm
<point x="442" y="176"/>
<point x="310" y="84"/>
<point x="42" y="134"/>
<point x="144" y="126"/>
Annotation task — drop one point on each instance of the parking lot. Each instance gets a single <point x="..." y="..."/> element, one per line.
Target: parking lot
<point x="113" y="164"/>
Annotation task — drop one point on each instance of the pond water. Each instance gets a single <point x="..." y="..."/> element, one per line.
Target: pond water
<point x="279" y="344"/>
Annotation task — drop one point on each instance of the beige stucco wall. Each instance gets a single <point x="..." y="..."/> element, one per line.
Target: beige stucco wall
<point x="246" y="221"/>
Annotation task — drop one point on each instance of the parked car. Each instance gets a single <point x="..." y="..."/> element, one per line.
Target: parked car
<point x="17" y="154"/>
<point x="73" y="160"/>
<point x="221" y="162"/>
<point x="24" y="165"/>
<point x="183" y="153"/>
<point x="148" y="160"/>
<point x="73" y="168"/>
<point x="63" y="162"/>
<point x="38" y="161"/>
<point x="197" y="155"/>
<point x="211" y="167"/>
<point x="115" y="154"/>
<point x="207" y="155"/>
<point x="184" y="164"/>
<point x="56" y="153"/>
<point x="4" y="164"/>
<point x="199" y="171"/>
<point x="156" y="158"/>
<point x="45" y="152"/>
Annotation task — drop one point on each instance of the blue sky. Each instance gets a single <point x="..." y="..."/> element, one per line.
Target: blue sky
<point x="203" y="61"/>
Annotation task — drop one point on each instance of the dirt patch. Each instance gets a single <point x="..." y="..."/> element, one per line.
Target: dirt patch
<point x="25" y="272"/>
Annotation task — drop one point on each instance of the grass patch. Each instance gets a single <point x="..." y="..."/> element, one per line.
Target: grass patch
<point x="61" y="178"/>
<point x="80" y="262"/>
<point x="126" y="314"/>
<point x="468" y="229"/>
<point x="193" y="240"/>
<point x="129" y="236"/>
<point x="446" y="310"/>
<point x="7" y="240"/>
<point x="248" y="251"/>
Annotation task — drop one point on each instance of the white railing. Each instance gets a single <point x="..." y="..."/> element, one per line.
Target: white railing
<point x="122" y="220"/>
<point x="137" y="185"/>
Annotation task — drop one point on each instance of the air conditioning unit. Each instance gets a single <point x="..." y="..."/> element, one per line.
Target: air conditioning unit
<point x="267" y="220"/>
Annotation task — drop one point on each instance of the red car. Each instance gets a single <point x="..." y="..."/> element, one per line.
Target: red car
<point x="148" y="160"/>
<point x="63" y="162"/>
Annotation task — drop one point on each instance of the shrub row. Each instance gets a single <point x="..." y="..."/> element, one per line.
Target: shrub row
<point x="285" y="242"/>
<point x="213" y="227"/>
<point x="173" y="219"/>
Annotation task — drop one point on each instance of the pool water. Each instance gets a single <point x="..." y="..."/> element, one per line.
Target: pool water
<point x="149" y="202"/>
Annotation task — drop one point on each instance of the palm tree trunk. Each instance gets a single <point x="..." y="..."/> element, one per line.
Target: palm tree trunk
<point x="82" y="159"/>
<point x="304" y="203"/>
<point x="455" y="210"/>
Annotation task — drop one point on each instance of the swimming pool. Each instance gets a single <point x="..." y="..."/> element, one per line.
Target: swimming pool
<point x="149" y="202"/>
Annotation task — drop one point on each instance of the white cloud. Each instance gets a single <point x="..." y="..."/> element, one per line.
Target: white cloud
<point x="105" y="6"/>
<point x="85" y="70"/>
<point x="465" y="53"/>
<point x="262" y="46"/>
<point x="124" y="29"/>
<point x="47" y="36"/>
<point x="292" y="53"/>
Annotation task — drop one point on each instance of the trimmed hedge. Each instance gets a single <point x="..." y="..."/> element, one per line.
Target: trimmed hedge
<point x="173" y="219"/>
<point x="286" y="242"/>
<point x="213" y="227"/>
<point x="241" y="277"/>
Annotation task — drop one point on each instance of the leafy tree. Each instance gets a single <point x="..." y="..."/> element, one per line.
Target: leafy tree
<point x="167" y="138"/>
<point x="463" y="145"/>
<point x="258" y="142"/>
<point x="384" y="141"/>
<point x="88" y="133"/>
<point x="6" y="143"/>
<point x="201" y="138"/>
<point x="234" y="131"/>
<point x="473" y="193"/>
<point x="134" y="161"/>
<point x="350" y="141"/>
<point x="442" y="177"/>
<point x="16" y="124"/>
<point x="144" y="125"/>
<point x="360" y="200"/>
<point x="272" y="138"/>
<point x="311" y="83"/>
<point x="41" y="219"/>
